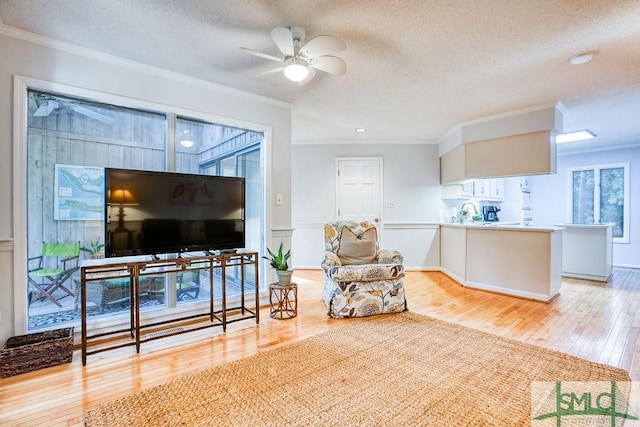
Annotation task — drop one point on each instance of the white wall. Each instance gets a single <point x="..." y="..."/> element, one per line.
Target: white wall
<point x="411" y="181"/>
<point x="118" y="77"/>
<point x="550" y="198"/>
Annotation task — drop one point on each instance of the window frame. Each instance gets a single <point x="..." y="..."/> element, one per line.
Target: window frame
<point x="596" y="195"/>
<point x="21" y="86"/>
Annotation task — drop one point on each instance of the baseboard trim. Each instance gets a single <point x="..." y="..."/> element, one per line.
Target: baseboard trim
<point x="636" y="267"/>
<point x="510" y="292"/>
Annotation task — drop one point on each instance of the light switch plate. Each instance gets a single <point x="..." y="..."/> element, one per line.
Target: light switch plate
<point x="389" y="205"/>
<point x="278" y="199"/>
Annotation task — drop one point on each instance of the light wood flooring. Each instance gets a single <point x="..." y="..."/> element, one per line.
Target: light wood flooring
<point x="596" y="321"/>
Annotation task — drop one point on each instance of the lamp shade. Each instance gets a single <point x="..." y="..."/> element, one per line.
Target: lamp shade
<point x="296" y="70"/>
<point x="121" y="196"/>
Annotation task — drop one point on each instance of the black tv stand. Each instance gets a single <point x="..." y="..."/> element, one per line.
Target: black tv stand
<point x="101" y="271"/>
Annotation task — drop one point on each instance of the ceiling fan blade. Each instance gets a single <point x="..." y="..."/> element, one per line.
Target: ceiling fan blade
<point x="33" y="105"/>
<point x="330" y="64"/>
<point x="322" y="45"/>
<point x="45" y="109"/>
<point x="90" y="113"/>
<point x="275" y="70"/>
<point x="283" y="38"/>
<point x="261" y="55"/>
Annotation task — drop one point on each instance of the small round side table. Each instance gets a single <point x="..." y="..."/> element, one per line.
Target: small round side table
<point x="283" y="300"/>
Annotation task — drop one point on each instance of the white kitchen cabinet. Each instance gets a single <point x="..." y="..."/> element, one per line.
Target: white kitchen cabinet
<point x="496" y="189"/>
<point x="482" y="188"/>
<point x="489" y="189"/>
<point x="525" y="183"/>
<point x="457" y="191"/>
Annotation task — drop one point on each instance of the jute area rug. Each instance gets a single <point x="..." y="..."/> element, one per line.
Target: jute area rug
<point x="397" y="369"/>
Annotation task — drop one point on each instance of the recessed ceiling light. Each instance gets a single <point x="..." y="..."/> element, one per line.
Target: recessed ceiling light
<point x="579" y="135"/>
<point x="581" y="58"/>
<point x="361" y="130"/>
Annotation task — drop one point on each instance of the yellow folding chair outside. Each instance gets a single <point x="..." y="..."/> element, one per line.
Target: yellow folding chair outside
<point x="47" y="280"/>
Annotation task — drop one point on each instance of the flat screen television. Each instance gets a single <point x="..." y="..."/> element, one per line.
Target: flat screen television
<point x="152" y="213"/>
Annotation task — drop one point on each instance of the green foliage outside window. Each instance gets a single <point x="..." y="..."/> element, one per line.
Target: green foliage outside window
<point x="611" y="202"/>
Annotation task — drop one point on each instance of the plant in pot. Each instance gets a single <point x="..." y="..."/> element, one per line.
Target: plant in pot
<point x="94" y="248"/>
<point x="280" y="263"/>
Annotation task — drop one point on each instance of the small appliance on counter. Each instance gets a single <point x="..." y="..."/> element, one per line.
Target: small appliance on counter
<point x="490" y="213"/>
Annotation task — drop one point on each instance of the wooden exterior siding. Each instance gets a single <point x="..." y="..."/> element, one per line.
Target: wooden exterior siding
<point x="74" y="139"/>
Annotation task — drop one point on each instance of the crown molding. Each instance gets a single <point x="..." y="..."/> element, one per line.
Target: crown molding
<point x="132" y="65"/>
<point x="595" y="150"/>
<point x="365" y="142"/>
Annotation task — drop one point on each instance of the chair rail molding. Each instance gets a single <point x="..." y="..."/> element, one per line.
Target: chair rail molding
<point x="419" y="242"/>
<point x="6" y="245"/>
<point x="410" y="225"/>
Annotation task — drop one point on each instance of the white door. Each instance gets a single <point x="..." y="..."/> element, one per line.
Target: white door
<point x="359" y="189"/>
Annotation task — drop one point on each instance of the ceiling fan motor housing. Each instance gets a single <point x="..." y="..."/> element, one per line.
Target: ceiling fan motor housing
<point x="298" y="34"/>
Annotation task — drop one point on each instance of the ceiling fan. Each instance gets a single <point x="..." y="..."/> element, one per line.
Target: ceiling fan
<point x="43" y="105"/>
<point x="302" y="59"/>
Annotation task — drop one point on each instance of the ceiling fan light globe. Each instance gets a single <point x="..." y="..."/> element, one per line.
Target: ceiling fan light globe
<point x="296" y="72"/>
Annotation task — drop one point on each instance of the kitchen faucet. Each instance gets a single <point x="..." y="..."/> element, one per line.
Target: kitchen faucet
<point x="475" y="210"/>
<point x="462" y="214"/>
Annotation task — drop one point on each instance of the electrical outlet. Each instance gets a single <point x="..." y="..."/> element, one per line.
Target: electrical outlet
<point x="389" y="205"/>
<point x="279" y="199"/>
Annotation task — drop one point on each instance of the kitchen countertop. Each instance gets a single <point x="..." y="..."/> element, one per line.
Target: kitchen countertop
<point x="502" y="227"/>
<point x="568" y="224"/>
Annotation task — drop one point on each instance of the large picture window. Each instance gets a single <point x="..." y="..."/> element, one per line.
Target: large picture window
<point x="600" y="194"/>
<point x="70" y="140"/>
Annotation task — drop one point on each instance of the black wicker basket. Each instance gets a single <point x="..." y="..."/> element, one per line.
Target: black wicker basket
<point x="26" y="353"/>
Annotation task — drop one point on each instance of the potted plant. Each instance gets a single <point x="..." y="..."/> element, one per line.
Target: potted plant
<point x="94" y="248"/>
<point x="280" y="263"/>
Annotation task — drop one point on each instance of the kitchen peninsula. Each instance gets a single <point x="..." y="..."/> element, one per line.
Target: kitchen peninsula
<point x="509" y="259"/>
<point x="587" y="251"/>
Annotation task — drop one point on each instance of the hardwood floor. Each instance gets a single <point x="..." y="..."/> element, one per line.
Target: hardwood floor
<point x="596" y="321"/>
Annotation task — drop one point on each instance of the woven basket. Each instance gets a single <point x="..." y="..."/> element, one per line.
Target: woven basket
<point x="26" y="353"/>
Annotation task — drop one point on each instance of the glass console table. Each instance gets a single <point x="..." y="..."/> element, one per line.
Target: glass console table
<point x="137" y="331"/>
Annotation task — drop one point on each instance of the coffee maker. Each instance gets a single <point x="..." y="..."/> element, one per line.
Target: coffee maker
<point x="490" y="213"/>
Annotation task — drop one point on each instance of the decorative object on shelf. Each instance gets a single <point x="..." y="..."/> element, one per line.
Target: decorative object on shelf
<point x="94" y="248"/>
<point x="462" y="215"/>
<point x="280" y="263"/>
<point x="26" y="353"/>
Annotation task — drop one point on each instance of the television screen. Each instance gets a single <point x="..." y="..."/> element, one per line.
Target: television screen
<point x="150" y="213"/>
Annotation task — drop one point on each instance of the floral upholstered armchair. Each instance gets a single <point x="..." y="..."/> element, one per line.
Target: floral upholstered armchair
<point x="360" y="279"/>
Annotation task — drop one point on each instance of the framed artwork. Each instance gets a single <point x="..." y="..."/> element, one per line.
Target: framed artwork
<point x="78" y="193"/>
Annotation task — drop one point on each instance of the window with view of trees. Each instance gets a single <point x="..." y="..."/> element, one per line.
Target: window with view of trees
<point x="600" y="195"/>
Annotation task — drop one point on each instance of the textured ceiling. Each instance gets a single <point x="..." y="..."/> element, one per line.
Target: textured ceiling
<point x="415" y="68"/>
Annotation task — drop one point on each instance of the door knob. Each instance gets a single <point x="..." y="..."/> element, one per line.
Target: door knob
<point x="376" y="219"/>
